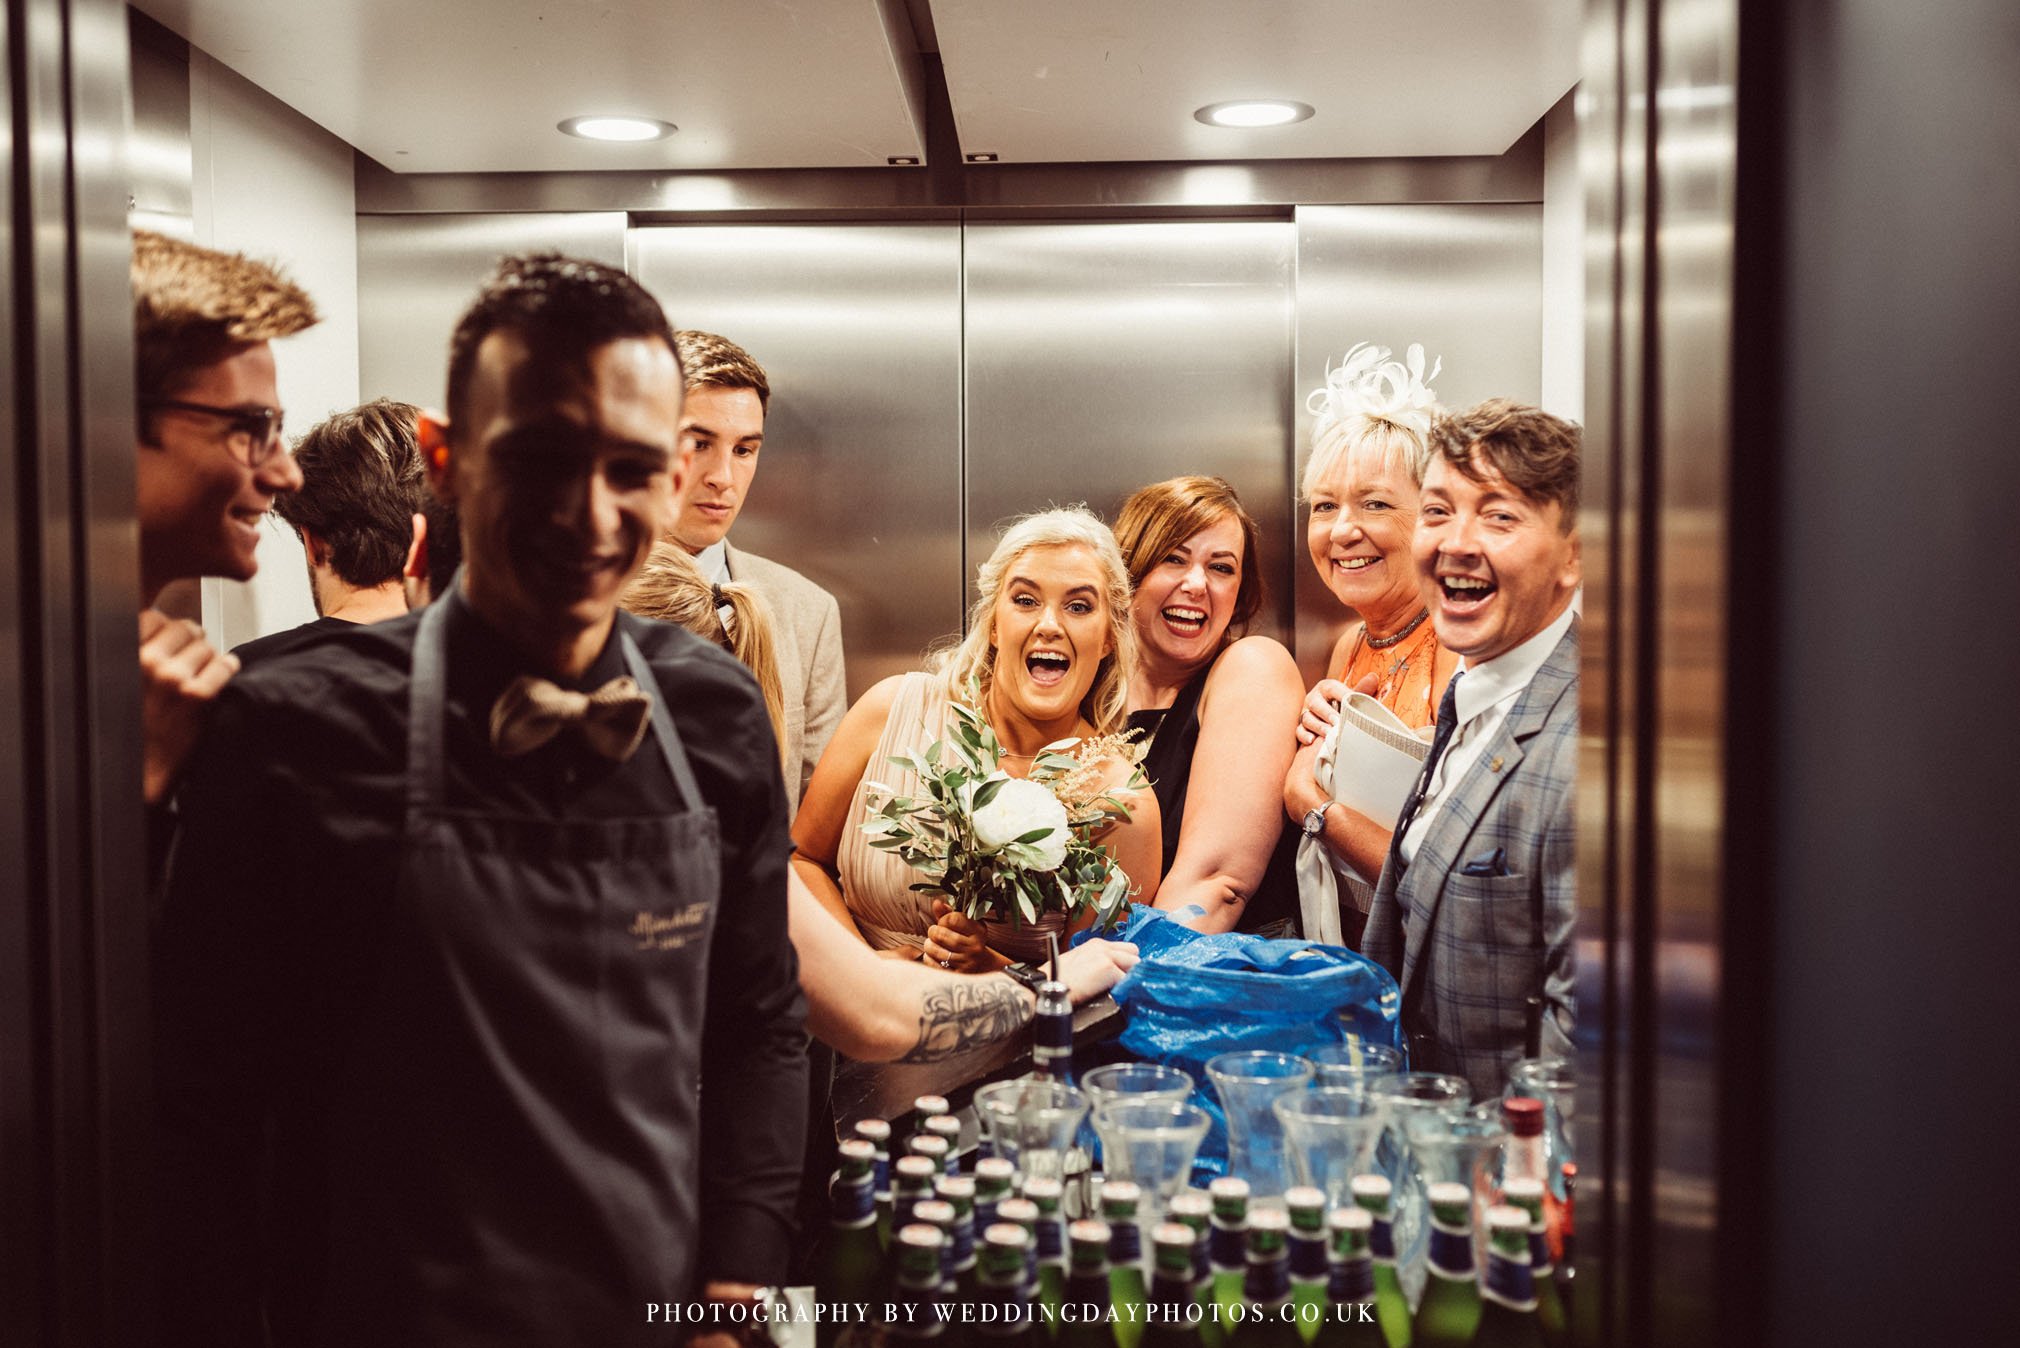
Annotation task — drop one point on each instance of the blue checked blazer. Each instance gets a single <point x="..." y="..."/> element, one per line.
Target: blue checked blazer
<point x="1470" y="951"/>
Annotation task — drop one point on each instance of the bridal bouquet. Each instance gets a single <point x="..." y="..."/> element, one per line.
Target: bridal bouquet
<point x="1001" y="849"/>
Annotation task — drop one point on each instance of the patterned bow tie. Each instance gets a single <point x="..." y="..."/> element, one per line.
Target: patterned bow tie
<point x="532" y="711"/>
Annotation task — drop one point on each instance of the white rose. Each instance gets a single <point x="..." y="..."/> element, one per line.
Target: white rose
<point x="1022" y="807"/>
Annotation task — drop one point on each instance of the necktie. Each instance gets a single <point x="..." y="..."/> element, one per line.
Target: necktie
<point x="1448" y="721"/>
<point x="531" y="711"/>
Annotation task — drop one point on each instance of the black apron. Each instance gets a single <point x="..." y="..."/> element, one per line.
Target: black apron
<point x="515" y="1156"/>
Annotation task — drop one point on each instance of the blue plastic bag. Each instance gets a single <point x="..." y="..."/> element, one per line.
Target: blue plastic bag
<point x="1192" y="997"/>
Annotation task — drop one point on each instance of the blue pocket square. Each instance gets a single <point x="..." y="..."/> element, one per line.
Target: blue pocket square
<point x="1487" y="863"/>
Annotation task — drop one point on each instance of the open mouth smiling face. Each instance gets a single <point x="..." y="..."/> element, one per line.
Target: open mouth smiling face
<point x="1051" y="627"/>
<point x="1184" y="602"/>
<point x="1498" y="566"/>
<point x="1358" y="532"/>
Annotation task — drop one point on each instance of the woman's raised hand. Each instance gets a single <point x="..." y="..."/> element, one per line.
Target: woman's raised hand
<point x="1093" y="967"/>
<point x="954" y="942"/>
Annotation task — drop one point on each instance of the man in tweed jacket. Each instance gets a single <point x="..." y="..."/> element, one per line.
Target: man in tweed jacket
<point x="1474" y="910"/>
<point x="723" y="424"/>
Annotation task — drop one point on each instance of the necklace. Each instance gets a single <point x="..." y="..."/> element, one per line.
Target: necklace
<point x="1383" y="643"/>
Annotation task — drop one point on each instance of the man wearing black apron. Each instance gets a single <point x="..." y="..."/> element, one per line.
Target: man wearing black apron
<point x="479" y="1022"/>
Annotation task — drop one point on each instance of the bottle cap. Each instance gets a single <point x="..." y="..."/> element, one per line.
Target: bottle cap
<point x="956" y="1189"/>
<point x="935" y="1211"/>
<point x="994" y="1171"/>
<point x="1350" y="1219"/>
<point x="930" y="1145"/>
<point x="1188" y="1204"/>
<point x="1269" y="1219"/>
<point x="873" y="1130"/>
<point x="926" y="1106"/>
<point x="1120" y="1196"/>
<point x="1228" y="1186"/>
<point x="1043" y="1190"/>
<point x="1020" y="1210"/>
<point x="1307" y="1206"/>
<point x="1008" y="1235"/>
<point x="1523" y="1116"/>
<point x="1370" y="1186"/>
<point x="1524" y="1191"/>
<point x="919" y="1169"/>
<point x="1504" y="1215"/>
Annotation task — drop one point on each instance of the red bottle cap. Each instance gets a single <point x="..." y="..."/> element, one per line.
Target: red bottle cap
<point x="1523" y="1116"/>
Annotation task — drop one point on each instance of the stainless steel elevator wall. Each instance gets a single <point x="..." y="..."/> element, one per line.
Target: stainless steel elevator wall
<point x="1104" y="356"/>
<point x="1466" y="281"/>
<point x="932" y="380"/>
<point x="858" y="327"/>
<point x="418" y="273"/>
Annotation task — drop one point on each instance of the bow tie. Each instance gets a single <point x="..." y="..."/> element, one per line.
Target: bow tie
<point x="532" y="711"/>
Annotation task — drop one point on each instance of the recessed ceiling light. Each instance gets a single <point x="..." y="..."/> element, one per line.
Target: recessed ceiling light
<point x="1254" y="112"/>
<point x="618" y="128"/>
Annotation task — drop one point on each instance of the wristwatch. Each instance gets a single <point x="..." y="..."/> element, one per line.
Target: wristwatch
<point x="1029" y="975"/>
<point x="1315" y="820"/>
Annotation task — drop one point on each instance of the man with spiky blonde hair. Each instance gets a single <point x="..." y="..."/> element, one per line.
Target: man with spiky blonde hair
<point x="211" y="459"/>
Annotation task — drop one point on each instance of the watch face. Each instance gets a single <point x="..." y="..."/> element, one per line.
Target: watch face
<point x="1315" y="821"/>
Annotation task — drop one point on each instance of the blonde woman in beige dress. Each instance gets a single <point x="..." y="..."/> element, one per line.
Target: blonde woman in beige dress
<point x="1051" y="646"/>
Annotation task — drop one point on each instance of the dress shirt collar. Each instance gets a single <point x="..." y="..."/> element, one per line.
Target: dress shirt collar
<point x="713" y="562"/>
<point x="1491" y="681"/>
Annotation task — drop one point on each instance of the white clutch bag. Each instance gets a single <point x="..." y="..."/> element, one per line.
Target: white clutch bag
<point x="1369" y="762"/>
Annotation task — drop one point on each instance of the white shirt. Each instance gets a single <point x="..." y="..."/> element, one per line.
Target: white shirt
<point x="713" y="562"/>
<point x="1482" y="702"/>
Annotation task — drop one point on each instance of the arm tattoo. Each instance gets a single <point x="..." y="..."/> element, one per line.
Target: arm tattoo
<point x="974" y="1013"/>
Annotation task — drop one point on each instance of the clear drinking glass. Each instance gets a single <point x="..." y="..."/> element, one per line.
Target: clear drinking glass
<point x="1329" y="1137"/>
<point x="1032" y="1122"/>
<point x="1248" y="1084"/>
<point x="1355" y="1063"/>
<point x="1136" y="1081"/>
<point x="1404" y="1096"/>
<point x="1150" y="1141"/>
<point x="1460" y="1148"/>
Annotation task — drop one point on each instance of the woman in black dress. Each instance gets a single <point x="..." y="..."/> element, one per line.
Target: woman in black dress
<point x="1218" y="707"/>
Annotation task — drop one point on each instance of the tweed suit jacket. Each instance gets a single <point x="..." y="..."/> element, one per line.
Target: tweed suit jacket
<point x="808" y="626"/>
<point x="1470" y="951"/>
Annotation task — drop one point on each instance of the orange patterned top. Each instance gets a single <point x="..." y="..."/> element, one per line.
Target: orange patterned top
<point x="1410" y="675"/>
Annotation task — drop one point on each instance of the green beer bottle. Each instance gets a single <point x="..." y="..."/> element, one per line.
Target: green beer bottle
<point x="948" y="1129"/>
<point x="1371" y="1193"/>
<point x="915" y="1300"/>
<point x="1507" y="1294"/>
<point x="958" y="1192"/>
<point x="1023" y="1213"/>
<point x="1527" y="1194"/>
<point x="1265" y="1315"/>
<point x="1307" y="1208"/>
<point x="1086" y="1318"/>
<point x="995" y="1180"/>
<point x="1126" y="1289"/>
<point x="1004" y="1313"/>
<point x="1450" y="1310"/>
<point x="1351" y="1321"/>
<point x="911" y="1183"/>
<point x="1194" y="1208"/>
<point x="938" y="1213"/>
<point x="849" y="1267"/>
<point x="877" y="1133"/>
<point x="1173" y="1317"/>
<point x="1228" y="1247"/>
<point x="1045" y="1194"/>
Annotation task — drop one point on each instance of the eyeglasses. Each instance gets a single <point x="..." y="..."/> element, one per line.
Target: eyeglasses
<point x="252" y="434"/>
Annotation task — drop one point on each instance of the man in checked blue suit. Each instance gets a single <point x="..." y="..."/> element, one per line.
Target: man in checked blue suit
<point x="1473" y="912"/>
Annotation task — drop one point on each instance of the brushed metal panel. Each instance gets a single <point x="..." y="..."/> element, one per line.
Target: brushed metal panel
<point x="417" y="274"/>
<point x="1101" y="357"/>
<point x="859" y="488"/>
<point x="1167" y="188"/>
<point x="1465" y="280"/>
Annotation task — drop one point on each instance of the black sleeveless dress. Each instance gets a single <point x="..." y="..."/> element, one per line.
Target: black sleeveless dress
<point x="1173" y="733"/>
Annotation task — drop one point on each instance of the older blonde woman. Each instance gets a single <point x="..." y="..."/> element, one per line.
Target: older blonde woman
<point x="1050" y="645"/>
<point x="1362" y="486"/>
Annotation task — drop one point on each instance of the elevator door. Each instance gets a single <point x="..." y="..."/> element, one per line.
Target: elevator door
<point x="1104" y="356"/>
<point x="858" y="328"/>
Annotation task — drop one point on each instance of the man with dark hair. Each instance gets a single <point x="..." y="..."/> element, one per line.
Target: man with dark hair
<point x="433" y="1062"/>
<point x="211" y="461"/>
<point x="1474" y="909"/>
<point x="362" y="485"/>
<point x="723" y="426"/>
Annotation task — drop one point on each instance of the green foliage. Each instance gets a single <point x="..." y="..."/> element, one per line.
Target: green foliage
<point x="933" y="831"/>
